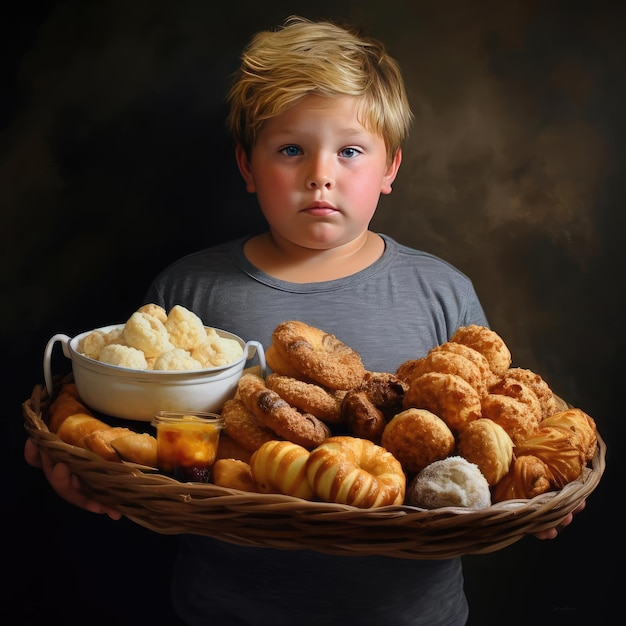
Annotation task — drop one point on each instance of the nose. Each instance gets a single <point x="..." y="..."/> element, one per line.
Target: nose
<point x="320" y="175"/>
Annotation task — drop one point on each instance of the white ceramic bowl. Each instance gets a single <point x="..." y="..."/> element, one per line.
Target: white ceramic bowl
<point x="138" y="394"/>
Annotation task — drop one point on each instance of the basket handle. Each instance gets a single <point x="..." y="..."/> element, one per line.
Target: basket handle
<point x="47" y="358"/>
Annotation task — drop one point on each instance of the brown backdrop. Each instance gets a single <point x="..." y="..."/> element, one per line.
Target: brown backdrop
<point x="114" y="161"/>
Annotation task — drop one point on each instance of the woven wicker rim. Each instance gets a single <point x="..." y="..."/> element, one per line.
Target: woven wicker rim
<point x="167" y="506"/>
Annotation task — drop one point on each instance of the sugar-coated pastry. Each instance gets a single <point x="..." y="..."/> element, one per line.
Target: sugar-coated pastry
<point x="184" y="327"/>
<point x="215" y="351"/>
<point x="147" y="333"/>
<point x="452" y="481"/>
<point x="275" y="413"/>
<point x="123" y="356"/>
<point x="155" y="310"/>
<point x="318" y="355"/>
<point x="176" y="359"/>
<point x="308" y="397"/>
<point x="243" y="427"/>
<point x="417" y="437"/>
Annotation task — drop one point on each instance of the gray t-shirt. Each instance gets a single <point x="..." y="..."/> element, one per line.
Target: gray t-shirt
<point x="397" y="309"/>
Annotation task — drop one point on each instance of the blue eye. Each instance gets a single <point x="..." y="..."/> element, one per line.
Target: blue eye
<point x="291" y="150"/>
<point x="349" y="153"/>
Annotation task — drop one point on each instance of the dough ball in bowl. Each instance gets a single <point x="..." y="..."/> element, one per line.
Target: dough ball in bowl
<point x="452" y="481"/>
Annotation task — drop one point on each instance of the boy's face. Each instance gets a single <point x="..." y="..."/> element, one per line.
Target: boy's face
<point x="318" y="172"/>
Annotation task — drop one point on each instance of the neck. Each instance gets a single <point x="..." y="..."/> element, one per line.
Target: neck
<point x="292" y="263"/>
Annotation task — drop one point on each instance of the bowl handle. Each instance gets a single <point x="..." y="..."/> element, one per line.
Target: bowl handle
<point x="252" y="348"/>
<point x="47" y="358"/>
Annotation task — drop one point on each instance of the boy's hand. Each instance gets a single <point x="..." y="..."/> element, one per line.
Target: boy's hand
<point x="64" y="482"/>
<point x="552" y="533"/>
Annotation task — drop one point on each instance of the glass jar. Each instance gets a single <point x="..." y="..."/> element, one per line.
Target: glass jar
<point x="187" y="443"/>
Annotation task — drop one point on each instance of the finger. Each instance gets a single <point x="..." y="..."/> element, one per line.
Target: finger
<point x="31" y="453"/>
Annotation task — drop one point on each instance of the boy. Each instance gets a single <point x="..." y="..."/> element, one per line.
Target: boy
<point x="319" y="115"/>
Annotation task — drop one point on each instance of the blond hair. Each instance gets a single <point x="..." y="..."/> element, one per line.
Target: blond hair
<point x="280" y="67"/>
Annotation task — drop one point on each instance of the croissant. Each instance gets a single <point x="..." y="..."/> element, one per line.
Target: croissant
<point x="527" y="477"/>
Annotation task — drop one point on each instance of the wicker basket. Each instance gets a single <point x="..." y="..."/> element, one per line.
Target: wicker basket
<point x="167" y="506"/>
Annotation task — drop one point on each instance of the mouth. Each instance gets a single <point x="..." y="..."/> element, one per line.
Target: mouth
<point x="321" y="209"/>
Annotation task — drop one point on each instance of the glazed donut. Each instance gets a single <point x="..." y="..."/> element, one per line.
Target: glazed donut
<point x="354" y="471"/>
<point x="362" y="417"/>
<point x="318" y="356"/>
<point x="448" y="396"/>
<point x="278" y="415"/>
<point x="242" y="426"/>
<point x="308" y="397"/>
<point x="233" y="473"/>
<point x="280" y="467"/>
<point x="417" y="437"/>
<point x="488" y="343"/>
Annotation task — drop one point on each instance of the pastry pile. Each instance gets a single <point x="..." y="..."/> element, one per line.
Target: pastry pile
<point x="153" y="339"/>
<point x="458" y="427"/>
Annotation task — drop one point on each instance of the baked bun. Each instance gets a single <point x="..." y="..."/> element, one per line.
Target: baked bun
<point x="448" y="396"/>
<point x="280" y="467"/>
<point x="452" y="481"/>
<point x="488" y="343"/>
<point x="349" y="470"/>
<point x="417" y="437"/>
<point x="234" y="474"/>
<point x="486" y="444"/>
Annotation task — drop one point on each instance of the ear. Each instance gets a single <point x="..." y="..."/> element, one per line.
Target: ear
<point x="243" y="163"/>
<point x="392" y="172"/>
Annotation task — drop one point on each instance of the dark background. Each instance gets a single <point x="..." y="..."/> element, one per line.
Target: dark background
<point x="114" y="161"/>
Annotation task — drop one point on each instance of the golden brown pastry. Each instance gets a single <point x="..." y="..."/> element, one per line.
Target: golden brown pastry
<point x="278" y="415"/>
<point x="540" y="387"/>
<point x="307" y="397"/>
<point x="234" y="474"/>
<point x="518" y="390"/>
<point x="560" y="449"/>
<point x="99" y="441"/>
<point x="349" y="470"/>
<point x="448" y="396"/>
<point x="514" y="416"/>
<point x="580" y="424"/>
<point x="488" y="343"/>
<point x="280" y="467"/>
<point x="136" y="447"/>
<point x="228" y="448"/>
<point x="486" y="444"/>
<point x="362" y="417"/>
<point x="447" y="362"/>
<point x="527" y="477"/>
<point x="318" y="355"/>
<point x="417" y="437"/>
<point x="243" y="427"/>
